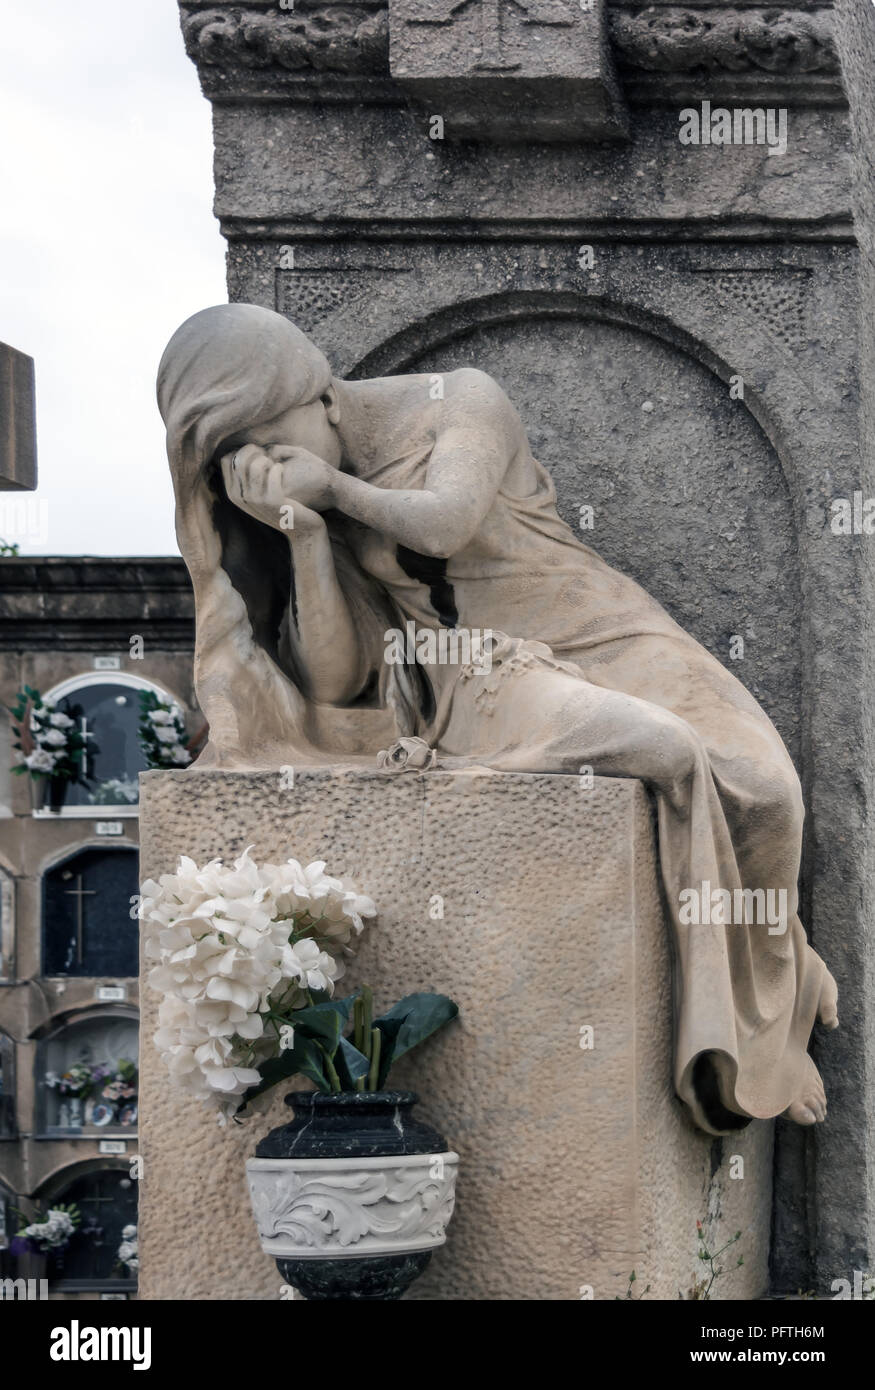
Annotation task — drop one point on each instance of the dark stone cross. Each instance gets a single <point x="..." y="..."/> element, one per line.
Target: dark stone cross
<point x="17" y="421"/>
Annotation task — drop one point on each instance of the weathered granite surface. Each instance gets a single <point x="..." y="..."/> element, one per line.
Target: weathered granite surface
<point x="577" y="1165"/>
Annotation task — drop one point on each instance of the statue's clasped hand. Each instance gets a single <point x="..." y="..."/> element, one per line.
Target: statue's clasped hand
<point x="274" y="483"/>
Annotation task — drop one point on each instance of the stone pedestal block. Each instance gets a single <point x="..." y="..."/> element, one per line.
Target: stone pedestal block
<point x="535" y="903"/>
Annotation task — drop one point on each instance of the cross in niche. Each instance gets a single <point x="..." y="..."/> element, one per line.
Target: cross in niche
<point x="79" y="893"/>
<point x="91" y="1226"/>
<point x="86" y="735"/>
<point x="534" y="12"/>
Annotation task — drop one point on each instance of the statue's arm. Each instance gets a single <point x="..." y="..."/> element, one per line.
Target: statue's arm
<point x="320" y="624"/>
<point x="480" y="435"/>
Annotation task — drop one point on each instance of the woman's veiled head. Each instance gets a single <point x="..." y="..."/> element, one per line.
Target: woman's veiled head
<point x="228" y="370"/>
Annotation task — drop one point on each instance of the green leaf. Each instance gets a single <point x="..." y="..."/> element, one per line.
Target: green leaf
<point x="350" y="1064"/>
<point x="304" y="1059"/>
<point x="409" y="1022"/>
<point x="323" y="1022"/>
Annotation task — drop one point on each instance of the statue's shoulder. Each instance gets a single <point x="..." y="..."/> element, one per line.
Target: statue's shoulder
<point x="472" y="378"/>
<point x="471" y="388"/>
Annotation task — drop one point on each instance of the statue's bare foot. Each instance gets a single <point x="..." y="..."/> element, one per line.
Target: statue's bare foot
<point x="826" y="1009"/>
<point x="809" y="1107"/>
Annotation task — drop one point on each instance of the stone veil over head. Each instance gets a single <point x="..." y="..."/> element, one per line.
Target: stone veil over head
<point x="226" y="369"/>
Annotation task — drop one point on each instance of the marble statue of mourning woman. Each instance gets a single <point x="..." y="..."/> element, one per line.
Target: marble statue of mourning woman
<point x="316" y="515"/>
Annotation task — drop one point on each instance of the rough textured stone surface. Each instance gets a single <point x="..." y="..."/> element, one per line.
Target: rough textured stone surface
<point x="577" y="1166"/>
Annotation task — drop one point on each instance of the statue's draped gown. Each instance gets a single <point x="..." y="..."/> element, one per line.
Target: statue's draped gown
<point x="590" y="672"/>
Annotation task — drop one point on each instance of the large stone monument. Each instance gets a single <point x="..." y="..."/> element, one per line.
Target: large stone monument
<point x="665" y="273"/>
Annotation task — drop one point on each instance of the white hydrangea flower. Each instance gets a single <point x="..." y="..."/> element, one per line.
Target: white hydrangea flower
<point x="40" y="760"/>
<point x="55" y="738"/>
<point x="179" y="754"/>
<point x="166" y="734"/>
<point x="227" y="944"/>
<point x="61" y="721"/>
<point x="54" y="1231"/>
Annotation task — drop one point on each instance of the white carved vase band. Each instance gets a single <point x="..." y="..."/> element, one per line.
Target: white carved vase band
<point x="349" y="1207"/>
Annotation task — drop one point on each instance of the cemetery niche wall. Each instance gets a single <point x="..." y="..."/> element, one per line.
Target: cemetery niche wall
<point x="680" y="325"/>
<point x="67" y="877"/>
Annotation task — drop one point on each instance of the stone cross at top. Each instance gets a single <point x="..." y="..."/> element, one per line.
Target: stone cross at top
<point x="509" y="69"/>
<point x="551" y="12"/>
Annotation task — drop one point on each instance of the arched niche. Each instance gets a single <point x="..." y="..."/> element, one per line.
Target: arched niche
<point x="107" y="712"/>
<point x="688" y="494"/>
<point x="106" y="1197"/>
<point x="83" y="1080"/>
<point x="87" y="901"/>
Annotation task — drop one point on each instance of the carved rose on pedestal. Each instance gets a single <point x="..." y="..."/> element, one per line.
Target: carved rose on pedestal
<point x="407" y="754"/>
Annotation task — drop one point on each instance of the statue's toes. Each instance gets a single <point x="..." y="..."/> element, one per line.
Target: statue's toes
<point x="809" y="1111"/>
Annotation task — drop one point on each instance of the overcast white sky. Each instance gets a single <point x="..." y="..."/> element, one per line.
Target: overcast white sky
<point x="107" y="242"/>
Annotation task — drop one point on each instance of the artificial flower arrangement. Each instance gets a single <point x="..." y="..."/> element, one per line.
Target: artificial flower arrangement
<point x="51" y="1233"/>
<point x="47" y="738"/>
<point x="127" y="1256"/>
<point x="122" y="1084"/>
<point x="352" y="1196"/>
<point x="78" y="1082"/>
<point x="163" y="740"/>
<point x="247" y="959"/>
<point x="83" y="1080"/>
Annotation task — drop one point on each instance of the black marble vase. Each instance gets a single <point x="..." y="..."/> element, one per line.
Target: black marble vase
<point x="353" y="1124"/>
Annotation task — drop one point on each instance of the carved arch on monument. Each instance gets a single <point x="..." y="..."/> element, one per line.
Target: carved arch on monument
<point x="633" y="418"/>
<point x="398" y="351"/>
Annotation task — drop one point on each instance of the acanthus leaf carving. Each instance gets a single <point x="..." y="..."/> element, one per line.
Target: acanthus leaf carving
<point x="724" y="40"/>
<point x="366" y="1207"/>
<point x="329" y="38"/>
